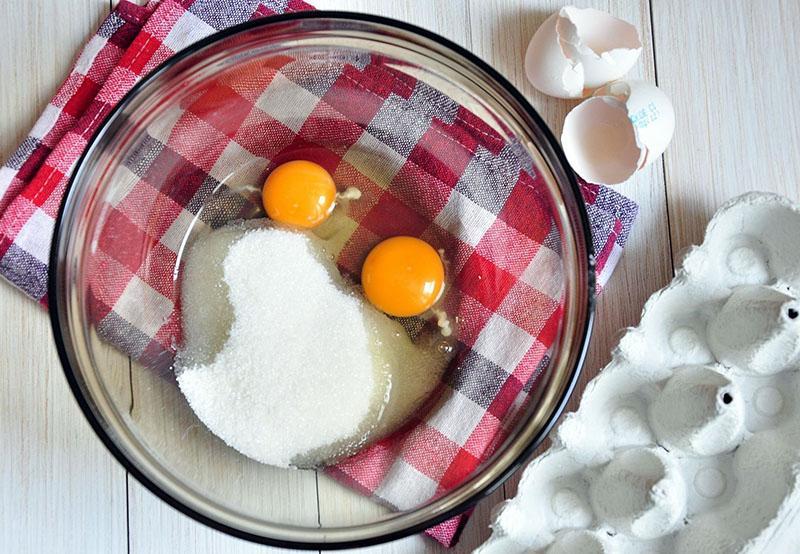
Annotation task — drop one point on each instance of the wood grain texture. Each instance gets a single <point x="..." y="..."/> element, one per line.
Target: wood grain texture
<point x="60" y="491"/>
<point x="38" y="42"/>
<point x="733" y="76"/>
<point x="157" y="528"/>
<point x="58" y="484"/>
<point x="449" y="18"/>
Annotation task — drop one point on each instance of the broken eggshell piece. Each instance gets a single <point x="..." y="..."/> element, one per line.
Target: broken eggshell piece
<point x="622" y="128"/>
<point x="577" y="50"/>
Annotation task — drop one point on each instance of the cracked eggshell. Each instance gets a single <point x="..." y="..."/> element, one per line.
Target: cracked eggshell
<point x="622" y="128"/>
<point x="576" y="50"/>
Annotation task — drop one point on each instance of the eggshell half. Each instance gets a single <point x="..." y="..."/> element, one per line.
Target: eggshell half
<point x="649" y="110"/>
<point x="548" y="67"/>
<point x="576" y="50"/>
<point x="621" y="129"/>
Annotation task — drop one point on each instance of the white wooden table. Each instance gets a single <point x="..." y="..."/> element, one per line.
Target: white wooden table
<point x="729" y="66"/>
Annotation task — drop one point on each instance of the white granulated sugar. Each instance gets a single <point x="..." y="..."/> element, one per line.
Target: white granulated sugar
<point x="296" y="372"/>
<point x="688" y="440"/>
<point x="284" y="359"/>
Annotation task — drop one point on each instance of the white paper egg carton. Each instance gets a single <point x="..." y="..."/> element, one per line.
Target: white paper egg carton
<point x="689" y="440"/>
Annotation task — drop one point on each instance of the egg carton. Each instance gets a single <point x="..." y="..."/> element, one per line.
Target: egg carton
<point x="689" y="440"/>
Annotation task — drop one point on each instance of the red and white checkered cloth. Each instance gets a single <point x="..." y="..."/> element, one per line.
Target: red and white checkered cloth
<point x="453" y="181"/>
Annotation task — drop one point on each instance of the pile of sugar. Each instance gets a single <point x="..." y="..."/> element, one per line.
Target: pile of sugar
<point x="296" y="371"/>
<point x="284" y="360"/>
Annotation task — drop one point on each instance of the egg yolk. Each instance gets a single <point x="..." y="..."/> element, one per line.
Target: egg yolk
<point x="299" y="193"/>
<point x="403" y="276"/>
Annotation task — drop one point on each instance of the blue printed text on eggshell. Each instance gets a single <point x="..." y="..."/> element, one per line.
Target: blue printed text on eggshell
<point x="645" y="116"/>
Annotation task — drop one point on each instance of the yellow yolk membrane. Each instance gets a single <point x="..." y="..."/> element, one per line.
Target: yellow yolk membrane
<point x="403" y="276"/>
<point x="299" y="193"/>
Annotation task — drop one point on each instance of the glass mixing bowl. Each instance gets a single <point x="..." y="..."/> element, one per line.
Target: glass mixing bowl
<point x="134" y="404"/>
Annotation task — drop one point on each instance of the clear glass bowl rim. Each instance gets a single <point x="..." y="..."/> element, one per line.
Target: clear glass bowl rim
<point x="549" y="149"/>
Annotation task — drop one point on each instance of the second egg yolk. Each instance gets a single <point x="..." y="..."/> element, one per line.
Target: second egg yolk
<point x="403" y="276"/>
<point x="299" y="193"/>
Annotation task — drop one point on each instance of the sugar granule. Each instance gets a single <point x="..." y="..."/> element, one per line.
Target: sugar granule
<point x="296" y="372"/>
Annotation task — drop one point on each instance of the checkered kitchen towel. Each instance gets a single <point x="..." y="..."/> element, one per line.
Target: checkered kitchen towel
<point x="498" y="258"/>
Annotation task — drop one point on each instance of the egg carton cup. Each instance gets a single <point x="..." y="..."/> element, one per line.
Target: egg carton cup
<point x="689" y="440"/>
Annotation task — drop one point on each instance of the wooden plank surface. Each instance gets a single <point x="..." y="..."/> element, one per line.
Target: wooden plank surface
<point x="733" y="76"/>
<point x="729" y="68"/>
<point x="60" y="490"/>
